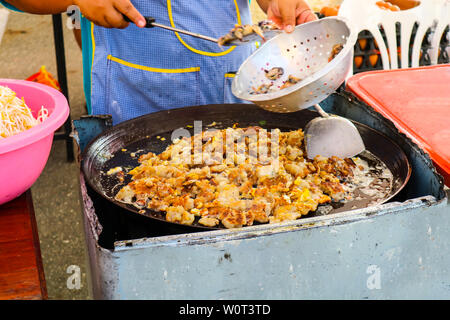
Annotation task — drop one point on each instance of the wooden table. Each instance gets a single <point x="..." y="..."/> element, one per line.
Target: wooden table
<point x="21" y="271"/>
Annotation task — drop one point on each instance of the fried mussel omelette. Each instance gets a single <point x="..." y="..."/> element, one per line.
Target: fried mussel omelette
<point x="233" y="188"/>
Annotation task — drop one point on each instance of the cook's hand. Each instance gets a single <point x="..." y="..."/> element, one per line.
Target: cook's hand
<point x="288" y="13"/>
<point x="110" y="13"/>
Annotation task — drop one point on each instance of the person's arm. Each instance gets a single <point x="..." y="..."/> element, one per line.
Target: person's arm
<point x="287" y="13"/>
<point x="105" y="13"/>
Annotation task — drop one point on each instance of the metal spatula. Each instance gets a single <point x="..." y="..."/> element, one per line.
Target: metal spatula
<point x="251" y="38"/>
<point x="332" y="135"/>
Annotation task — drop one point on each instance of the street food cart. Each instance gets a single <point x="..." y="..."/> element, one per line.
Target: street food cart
<point x="397" y="249"/>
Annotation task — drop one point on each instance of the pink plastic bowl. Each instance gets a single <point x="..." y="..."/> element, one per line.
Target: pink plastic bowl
<point x="24" y="155"/>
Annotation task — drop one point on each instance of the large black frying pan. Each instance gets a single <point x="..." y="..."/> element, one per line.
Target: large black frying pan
<point x="152" y="132"/>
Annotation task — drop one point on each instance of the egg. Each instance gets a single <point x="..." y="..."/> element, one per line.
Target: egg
<point x="362" y="43"/>
<point x="358" y="61"/>
<point x="373" y="58"/>
<point x="383" y="5"/>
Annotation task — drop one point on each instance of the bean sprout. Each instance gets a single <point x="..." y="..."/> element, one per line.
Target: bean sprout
<point x="15" y="116"/>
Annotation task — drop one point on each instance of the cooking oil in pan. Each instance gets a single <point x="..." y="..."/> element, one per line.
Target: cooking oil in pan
<point x="371" y="184"/>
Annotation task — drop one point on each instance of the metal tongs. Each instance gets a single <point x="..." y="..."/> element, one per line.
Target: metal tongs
<point x="251" y="38"/>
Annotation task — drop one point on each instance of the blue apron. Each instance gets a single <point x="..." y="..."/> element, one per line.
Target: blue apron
<point x="138" y="71"/>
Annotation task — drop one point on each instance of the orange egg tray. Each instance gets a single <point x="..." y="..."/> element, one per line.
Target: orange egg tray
<point x="366" y="53"/>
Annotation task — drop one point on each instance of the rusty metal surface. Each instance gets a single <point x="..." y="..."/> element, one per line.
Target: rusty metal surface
<point x="88" y="127"/>
<point x="394" y="254"/>
<point x="394" y="251"/>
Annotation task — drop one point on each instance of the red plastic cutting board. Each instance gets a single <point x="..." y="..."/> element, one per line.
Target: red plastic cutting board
<point x="417" y="100"/>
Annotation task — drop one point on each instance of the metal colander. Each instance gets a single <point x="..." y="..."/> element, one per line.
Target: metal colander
<point x="304" y="54"/>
